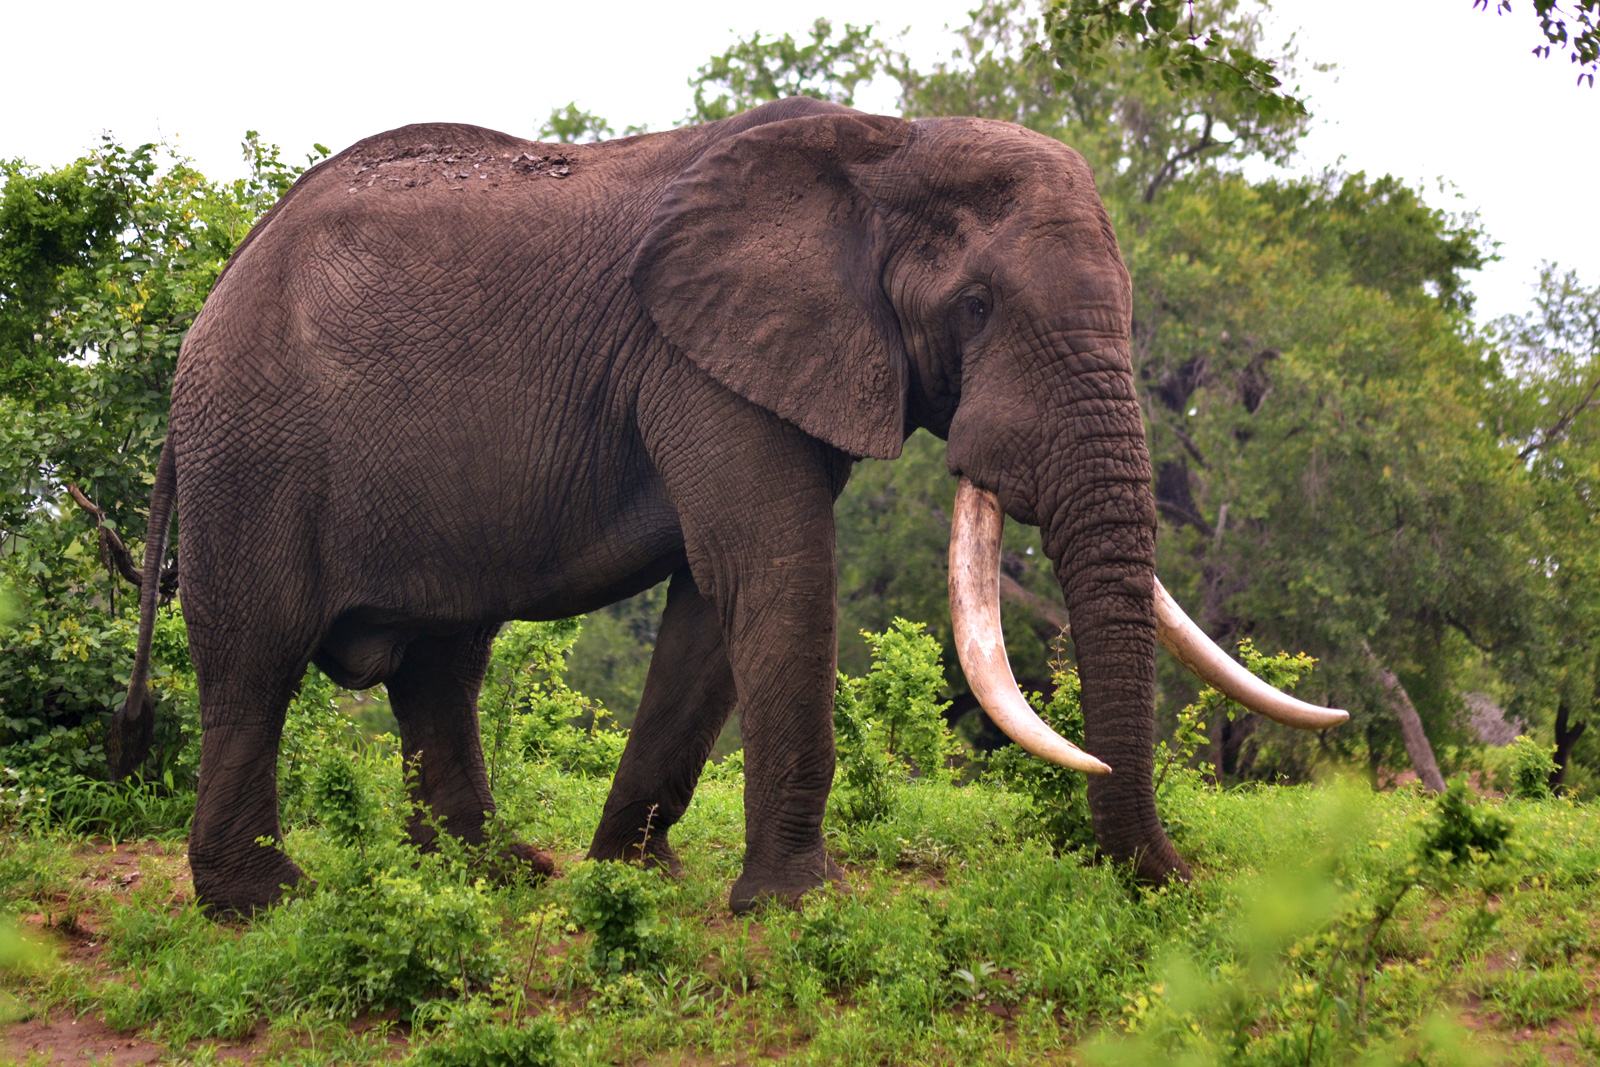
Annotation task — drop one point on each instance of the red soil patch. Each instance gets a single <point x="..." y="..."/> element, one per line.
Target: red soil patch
<point x="76" y="1041"/>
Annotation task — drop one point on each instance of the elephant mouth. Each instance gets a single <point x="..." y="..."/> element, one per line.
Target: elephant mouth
<point x="981" y="648"/>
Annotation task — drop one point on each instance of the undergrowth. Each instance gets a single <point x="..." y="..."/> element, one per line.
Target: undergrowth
<point x="1325" y="924"/>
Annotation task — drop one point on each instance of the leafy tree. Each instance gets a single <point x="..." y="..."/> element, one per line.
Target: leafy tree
<point x="104" y="263"/>
<point x="1136" y="130"/>
<point x="1550" y="364"/>
<point x="1189" y="44"/>
<point x="758" y="71"/>
<point x="570" y="124"/>
<point x="1182" y="40"/>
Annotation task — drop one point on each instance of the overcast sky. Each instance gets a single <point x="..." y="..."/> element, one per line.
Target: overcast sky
<point x="1425" y="89"/>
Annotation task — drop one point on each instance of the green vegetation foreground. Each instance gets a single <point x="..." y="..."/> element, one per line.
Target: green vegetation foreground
<point x="1326" y="924"/>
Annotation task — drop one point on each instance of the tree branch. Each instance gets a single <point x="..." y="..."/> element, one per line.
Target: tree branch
<point x="1039" y="607"/>
<point x="1182" y="515"/>
<point x="1411" y="731"/>
<point x="113" y="553"/>
<point x="1170" y="167"/>
<point x="1560" y="427"/>
<point x="1189" y="446"/>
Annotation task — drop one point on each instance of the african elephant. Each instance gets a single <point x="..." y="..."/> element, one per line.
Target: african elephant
<point x="454" y="377"/>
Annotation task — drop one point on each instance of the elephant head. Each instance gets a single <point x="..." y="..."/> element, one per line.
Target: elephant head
<point x="864" y="276"/>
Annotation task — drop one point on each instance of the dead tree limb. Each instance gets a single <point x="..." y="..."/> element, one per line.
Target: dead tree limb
<point x="1416" y="739"/>
<point x="113" y="553"/>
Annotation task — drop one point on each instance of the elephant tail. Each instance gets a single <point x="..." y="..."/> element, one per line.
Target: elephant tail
<point x="133" y="724"/>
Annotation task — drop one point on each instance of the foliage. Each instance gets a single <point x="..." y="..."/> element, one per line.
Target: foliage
<point x="619" y="904"/>
<point x="1060" y="798"/>
<point x="1305" y="897"/>
<point x="758" y="71"/>
<point x="103" y="265"/>
<point x="1531" y="766"/>
<point x="890" y="723"/>
<point x="340" y="801"/>
<point x="1191" y="53"/>
<point x="570" y="124"/>
<point x="393" y="940"/>
<point x="1058" y="809"/>
<point x="1584" y="37"/>
<point x="473" y="1037"/>
<point x="1138" y="133"/>
<point x="1311" y="941"/>
<point x="529" y="710"/>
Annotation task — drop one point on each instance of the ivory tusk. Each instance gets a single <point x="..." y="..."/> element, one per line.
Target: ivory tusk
<point x="1192" y="648"/>
<point x="980" y="645"/>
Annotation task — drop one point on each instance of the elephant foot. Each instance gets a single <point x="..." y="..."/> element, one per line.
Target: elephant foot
<point x="755" y="888"/>
<point x="656" y="854"/>
<point x="242" y="891"/>
<point x="516" y="861"/>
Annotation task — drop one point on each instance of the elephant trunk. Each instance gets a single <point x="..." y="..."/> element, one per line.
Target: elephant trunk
<point x="1098" y="519"/>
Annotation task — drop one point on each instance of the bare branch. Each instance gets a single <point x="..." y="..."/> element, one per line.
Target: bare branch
<point x="113" y="553"/>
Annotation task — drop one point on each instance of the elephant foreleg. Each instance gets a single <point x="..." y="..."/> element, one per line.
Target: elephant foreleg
<point x="435" y="699"/>
<point x="687" y="697"/>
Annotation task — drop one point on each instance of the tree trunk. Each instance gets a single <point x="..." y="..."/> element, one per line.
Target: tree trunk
<point x="1416" y="739"/>
<point x="1566" y="737"/>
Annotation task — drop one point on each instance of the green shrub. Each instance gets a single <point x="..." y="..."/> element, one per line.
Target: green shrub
<point x="1060" y="797"/>
<point x="316" y="734"/>
<point x="393" y="940"/>
<point x="342" y="804"/>
<point x="1308" y="980"/>
<point x="619" y="903"/>
<point x="527" y="709"/>
<point x="1529" y="766"/>
<point x="490" y="1043"/>
<point x="1060" y="800"/>
<point x="890" y="723"/>
<point x="61" y="675"/>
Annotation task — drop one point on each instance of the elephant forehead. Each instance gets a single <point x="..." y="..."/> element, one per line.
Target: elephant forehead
<point x="1063" y="262"/>
<point x="976" y="159"/>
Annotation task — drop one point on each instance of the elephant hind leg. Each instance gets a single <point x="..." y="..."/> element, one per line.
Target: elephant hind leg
<point x="235" y="841"/>
<point x="435" y="699"/>
<point x="688" y="695"/>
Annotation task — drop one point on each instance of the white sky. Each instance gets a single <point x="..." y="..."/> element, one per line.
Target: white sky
<point x="1425" y="88"/>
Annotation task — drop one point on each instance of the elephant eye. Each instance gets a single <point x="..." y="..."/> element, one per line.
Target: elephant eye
<point x="969" y="313"/>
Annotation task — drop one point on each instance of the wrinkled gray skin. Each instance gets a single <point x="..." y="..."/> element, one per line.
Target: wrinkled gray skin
<point x="452" y="380"/>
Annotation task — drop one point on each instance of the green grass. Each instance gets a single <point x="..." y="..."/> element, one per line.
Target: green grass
<point x="961" y="940"/>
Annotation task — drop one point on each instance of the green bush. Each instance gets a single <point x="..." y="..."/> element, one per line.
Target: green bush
<point x="890" y="723"/>
<point x="1529" y="766"/>
<point x="474" y="1037"/>
<point x="62" y="672"/>
<point x="394" y="939"/>
<point x="619" y="903"/>
<point x="1060" y="797"/>
<point x="528" y="709"/>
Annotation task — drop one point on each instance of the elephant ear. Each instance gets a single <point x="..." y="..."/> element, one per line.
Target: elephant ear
<point x="762" y="264"/>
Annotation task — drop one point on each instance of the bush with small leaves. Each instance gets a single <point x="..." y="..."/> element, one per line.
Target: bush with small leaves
<point x="342" y="804"/>
<point x="529" y="711"/>
<point x="1529" y="766"/>
<point x="890" y="723"/>
<point x="619" y="903"/>
<point x="473" y="1035"/>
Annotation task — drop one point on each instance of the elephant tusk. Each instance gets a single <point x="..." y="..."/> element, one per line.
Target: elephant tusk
<point x="1192" y="648"/>
<point x="980" y="645"/>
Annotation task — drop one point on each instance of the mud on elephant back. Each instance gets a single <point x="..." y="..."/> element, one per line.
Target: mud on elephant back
<point x="447" y="382"/>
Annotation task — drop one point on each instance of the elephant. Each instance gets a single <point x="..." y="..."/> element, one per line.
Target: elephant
<point x="454" y="378"/>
